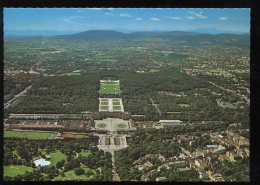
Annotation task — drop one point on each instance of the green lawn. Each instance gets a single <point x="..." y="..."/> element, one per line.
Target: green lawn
<point x="153" y="70"/>
<point x="117" y="141"/>
<point x="14" y="170"/>
<point x="101" y="125"/>
<point x="110" y="89"/>
<point x="85" y="153"/>
<point x="116" y="103"/>
<point x="121" y="125"/>
<point x="104" y="107"/>
<point x="70" y="175"/>
<point x="30" y="134"/>
<point x="107" y="141"/>
<point x="73" y="74"/>
<point x="56" y="157"/>
<point x="116" y="107"/>
<point x="115" y="100"/>
<point x="104" y="103"/>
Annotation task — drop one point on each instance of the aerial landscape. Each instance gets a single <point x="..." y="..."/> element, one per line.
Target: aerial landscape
<point x="126" y="94"/>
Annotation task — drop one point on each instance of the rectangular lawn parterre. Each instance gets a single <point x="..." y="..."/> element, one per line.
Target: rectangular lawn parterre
<point x="116" y="107"/>
<point x="116" y="103"/>
<point x="117" y="140"/>
<point x="104" y="107"/>
<point x="104" y="102"/>
<point x="109" y="89"/>
<point x="107" y="141"/>
<point x="30" y="134"/>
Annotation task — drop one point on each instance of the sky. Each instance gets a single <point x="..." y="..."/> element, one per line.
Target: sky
<point x="73" y="20"/>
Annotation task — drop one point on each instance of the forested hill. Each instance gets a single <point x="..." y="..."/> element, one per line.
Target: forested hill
<point x="177" y="38"/>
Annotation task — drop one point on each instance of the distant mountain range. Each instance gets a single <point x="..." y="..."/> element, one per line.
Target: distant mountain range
<point x="177" y="37"/>
<point x="8" y="32"/>
<point x="189" y="38"/>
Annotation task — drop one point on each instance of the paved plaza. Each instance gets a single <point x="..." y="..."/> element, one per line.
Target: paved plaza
<point x="111" y="124"/>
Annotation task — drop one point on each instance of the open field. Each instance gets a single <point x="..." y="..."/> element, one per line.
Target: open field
<point x="56" y="157"/>
<point x="107" y="141"/>
<point x="71" y="176"/>
<point x="30" y="134"/>
<point x="117" y="141"/>
<point x="14" y="170"/>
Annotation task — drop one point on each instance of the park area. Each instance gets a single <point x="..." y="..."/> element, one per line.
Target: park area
<point x="30" y="134"/>
<point x="109" y="87"/>
<point x="71" y="176"/>
<point x="14" y="170"/>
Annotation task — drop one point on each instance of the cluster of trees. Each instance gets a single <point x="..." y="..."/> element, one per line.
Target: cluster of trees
<point x="141" y="144"/>
<point x="26" y="150"/>
<point x="233" y="171"/>
<point x="174" y="174"/>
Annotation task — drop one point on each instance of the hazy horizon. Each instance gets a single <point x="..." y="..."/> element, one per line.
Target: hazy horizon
<point x="54" y="33"/>
<point x="53" y="21"/>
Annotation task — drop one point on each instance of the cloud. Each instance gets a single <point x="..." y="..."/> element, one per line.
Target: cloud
<point x="125" y="15"/>
<point x="173" y="18"/>
<point x="64" y="19"/>
<point x="154" y="19"/>
<point x="198" y="15"/>
<point x="95" y="8"/>
<point x="111" y="9"/>
<point x="222" y="18"/>
<point x="108" y="13"/>
<point x="190" y="17"/>
<point x="139" y="19"/>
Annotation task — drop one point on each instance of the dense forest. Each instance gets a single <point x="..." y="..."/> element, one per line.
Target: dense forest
<point x="60" y="94"/>
<point x="176" y="95"/>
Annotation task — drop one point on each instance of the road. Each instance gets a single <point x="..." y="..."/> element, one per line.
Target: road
<point x="7" y="104"/>
<point x="115" y="175"/>
<point x="156" y="106"/>
<point x="112" y="148"/>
